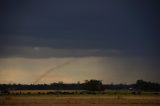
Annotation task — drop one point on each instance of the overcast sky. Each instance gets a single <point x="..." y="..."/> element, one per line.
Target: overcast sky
<point x="112" y="38"/>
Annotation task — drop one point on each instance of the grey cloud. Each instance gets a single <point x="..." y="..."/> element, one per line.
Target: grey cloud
<point x="129" y="26"/>
<point x="46" y="52"/>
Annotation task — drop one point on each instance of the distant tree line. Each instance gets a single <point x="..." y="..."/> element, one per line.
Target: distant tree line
<point x="90" y="85"/>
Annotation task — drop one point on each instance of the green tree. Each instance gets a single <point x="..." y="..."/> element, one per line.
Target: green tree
<point x="93" y="85"/>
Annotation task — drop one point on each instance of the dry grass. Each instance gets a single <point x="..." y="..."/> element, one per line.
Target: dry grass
<point x="41" y="91"/>
<point x="47" y="100"/>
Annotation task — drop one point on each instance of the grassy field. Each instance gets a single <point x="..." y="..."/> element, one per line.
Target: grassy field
<point x="81" y="100"/>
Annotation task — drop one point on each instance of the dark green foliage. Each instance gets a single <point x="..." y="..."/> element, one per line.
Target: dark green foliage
<point x="93" y="85"/>
<point x="147" y="86"/>
<point x="134" y="93"/>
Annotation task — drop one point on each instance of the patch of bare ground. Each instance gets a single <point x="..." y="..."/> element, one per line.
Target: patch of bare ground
<point x="80" y="101"/>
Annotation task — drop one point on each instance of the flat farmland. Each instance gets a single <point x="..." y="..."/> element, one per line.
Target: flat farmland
<point x="82" y="100"/>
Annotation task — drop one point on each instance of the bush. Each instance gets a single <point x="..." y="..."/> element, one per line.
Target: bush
<point x="93" y="85"/>
<point x="134" y="93"/>
<point x="28" y="92"/>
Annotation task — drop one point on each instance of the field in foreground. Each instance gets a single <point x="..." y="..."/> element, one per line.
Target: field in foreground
<point x="49" y="100"/>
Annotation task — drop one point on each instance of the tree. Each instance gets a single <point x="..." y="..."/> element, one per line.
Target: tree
<point x="93" y="85"/>
<point x="147" y="86"/>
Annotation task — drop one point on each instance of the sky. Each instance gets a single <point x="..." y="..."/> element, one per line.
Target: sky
<point x="116" y="41"/>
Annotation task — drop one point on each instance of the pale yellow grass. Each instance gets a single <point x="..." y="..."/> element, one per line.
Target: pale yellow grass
<point x="79" y="101"/>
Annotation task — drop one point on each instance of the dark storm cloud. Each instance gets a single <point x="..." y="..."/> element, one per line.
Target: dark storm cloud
<point x="45" y="52"/>
<point x="131" y="26"/>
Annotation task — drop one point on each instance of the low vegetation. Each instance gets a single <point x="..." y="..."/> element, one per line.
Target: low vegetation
<point x="89" y="87"/>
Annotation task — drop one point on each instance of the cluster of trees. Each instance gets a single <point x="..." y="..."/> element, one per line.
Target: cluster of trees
<point x="90" y="85"/>
<point x="146" y="86"/>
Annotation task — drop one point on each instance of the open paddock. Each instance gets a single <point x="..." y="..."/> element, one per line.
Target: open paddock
<point x="50" y="100"/>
